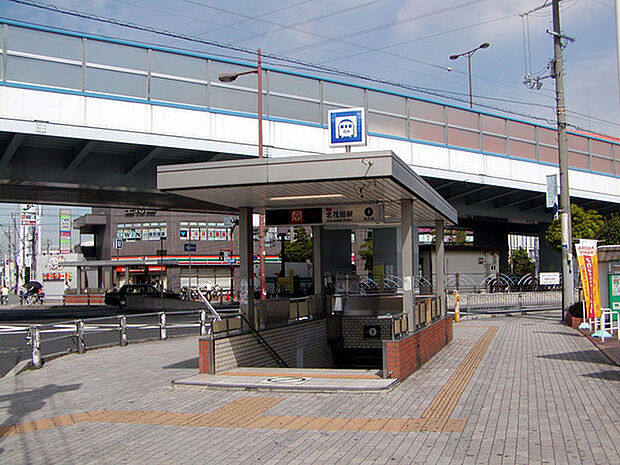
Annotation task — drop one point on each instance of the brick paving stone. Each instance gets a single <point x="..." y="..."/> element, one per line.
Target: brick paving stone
<point x="539" y="390"/>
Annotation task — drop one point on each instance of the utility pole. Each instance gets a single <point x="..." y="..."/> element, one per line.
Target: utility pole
<point x="16" y="252"/>
<point x="567" y="241"/>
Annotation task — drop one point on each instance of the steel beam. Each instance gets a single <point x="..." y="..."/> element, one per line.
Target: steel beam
<point x="11" y="148"/>
<point x="81" y="154"/>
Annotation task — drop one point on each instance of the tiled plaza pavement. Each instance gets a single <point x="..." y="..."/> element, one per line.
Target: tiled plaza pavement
<point x="521" y="390"/>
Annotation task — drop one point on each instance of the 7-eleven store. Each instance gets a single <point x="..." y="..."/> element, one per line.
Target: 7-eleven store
<point x="176" y="271"/>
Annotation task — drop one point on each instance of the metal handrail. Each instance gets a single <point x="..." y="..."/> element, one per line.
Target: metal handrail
<point x="209" y="306"/>
<point x="264" y="341"/>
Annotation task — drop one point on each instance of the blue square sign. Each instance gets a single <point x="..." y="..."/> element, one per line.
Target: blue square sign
<point x="347" y="127"/>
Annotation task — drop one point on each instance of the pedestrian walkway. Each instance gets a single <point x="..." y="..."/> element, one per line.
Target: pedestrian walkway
<point x="507" y="390"/>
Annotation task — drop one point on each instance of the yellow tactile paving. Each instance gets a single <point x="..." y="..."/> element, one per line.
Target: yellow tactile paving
<point x="356" y="424"/>
<point x="446" y="399"/>
<point x="414" y="424"/>
<point x="375" y="424"/>
<point x="317" y="423"/>
<point x="7" y="430"/>
<point x="44" y="423"/>
<point x="336" y="424"/>
<point x="261" y="421"/>
<point x="394" y="424"/>
<point x="247" y="412"/>
<point x="64" y="420"/>
<point x="281" y="422"/>
<point x="298" y="423"/>
<point x="24" y="428"/>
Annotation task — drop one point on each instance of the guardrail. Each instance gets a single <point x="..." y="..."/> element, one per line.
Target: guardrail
<point x="158" y="322"/>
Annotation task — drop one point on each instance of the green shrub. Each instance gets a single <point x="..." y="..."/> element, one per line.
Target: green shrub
<point x="576" y="310"/>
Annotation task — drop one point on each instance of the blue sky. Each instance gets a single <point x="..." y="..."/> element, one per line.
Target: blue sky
<point x="403" y="41"/>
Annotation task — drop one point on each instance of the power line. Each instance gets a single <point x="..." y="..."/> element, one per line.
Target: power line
<point x="285" y="60"/>
<point x="340" y="39"/>
<point x="316" y="18"/>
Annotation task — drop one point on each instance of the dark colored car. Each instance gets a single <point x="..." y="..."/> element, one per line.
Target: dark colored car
<point x="136" y="292"/>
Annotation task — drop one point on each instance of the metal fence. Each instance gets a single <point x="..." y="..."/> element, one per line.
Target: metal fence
<point x="82" y="334"/>
<point x="506" y="302"/>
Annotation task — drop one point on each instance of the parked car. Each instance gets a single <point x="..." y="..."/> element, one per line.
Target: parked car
<point x="136" y="292"/>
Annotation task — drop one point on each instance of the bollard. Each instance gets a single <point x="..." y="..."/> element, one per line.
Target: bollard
<point x="79" y="334"/>
<point x="203" y="322"/>
<point x="162" y="326"/>
<point x="122" y="330"/>
<point x="34" y="340"/>
<point x="457" y="307"/>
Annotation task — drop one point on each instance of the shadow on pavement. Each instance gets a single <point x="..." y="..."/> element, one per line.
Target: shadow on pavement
<point x="189" y="363"/>
<point x="592" y="355"/>
<point x="563" y="333"/>
<point x="24" y="402"/>
<point x="28" y="401"/>
<point x="608" y="375"/>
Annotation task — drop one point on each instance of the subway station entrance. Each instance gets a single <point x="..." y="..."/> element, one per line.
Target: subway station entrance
<point x="395" y="331"/>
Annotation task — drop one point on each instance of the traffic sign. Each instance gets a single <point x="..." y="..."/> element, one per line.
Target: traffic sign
<point x="189" y="247"/>
<point x="118" y="243"/>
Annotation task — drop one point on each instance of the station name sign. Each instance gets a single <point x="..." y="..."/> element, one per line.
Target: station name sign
<point x="341" y="214"/>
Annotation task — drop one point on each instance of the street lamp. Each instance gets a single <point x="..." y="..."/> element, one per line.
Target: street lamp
<point x="468" y="54"/>
<point x="230" y="77"/>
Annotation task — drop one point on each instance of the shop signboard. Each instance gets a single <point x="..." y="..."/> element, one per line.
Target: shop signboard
<point x="614" y="292"/>
<point x="64" y="229"/>
<point x="550" y="278"/>
<point x="29" y="216"/>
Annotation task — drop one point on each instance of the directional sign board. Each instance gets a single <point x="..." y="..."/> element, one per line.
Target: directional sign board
<point x="189" y="247"/>
<point x="552" y="191"/>
<point x="347" y="127"/>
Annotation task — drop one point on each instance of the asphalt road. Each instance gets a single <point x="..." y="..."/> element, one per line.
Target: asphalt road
<point x="57" y="329"/>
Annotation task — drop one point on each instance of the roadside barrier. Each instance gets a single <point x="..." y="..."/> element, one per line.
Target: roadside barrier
<point x="504" y="302"/>
<point x="159" y="324"/>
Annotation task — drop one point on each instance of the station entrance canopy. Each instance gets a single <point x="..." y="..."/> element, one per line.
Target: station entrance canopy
<point x="305" y="183"/>
<point x="336" y="190"/>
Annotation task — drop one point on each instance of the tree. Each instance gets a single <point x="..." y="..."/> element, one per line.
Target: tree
<point x="609" y="233"/>
<point x="300" y="248"/>
<point x="522" y="264"/>
<point x="586" y="224"/>
<point x="365" y="251"/>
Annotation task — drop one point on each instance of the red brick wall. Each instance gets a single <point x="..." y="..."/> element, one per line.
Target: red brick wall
<point x="204" y="355"/>
<point x="573" y="321"/>
<point x="403" y="357"/>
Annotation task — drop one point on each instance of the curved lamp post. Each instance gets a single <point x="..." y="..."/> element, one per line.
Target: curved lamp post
<point x="230" y="77"/>
<point x="468" y="54"/>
